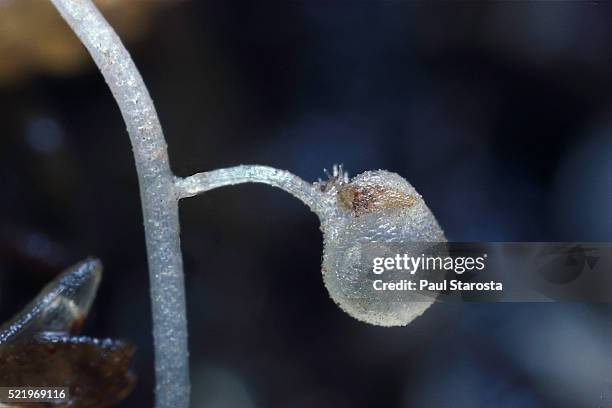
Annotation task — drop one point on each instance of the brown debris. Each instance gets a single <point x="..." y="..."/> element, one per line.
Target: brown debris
<point x="96" y="371"/>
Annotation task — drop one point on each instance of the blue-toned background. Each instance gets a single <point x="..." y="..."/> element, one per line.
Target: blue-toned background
<point x="500" y="115"/>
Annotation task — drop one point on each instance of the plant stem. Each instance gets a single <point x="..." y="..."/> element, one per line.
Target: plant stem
<point x="201" y="182"/>
<point x="158" y="195"/>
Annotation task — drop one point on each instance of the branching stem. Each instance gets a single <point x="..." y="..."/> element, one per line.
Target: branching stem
<point x="158" y="196"/>
<point x="160" y="192"/>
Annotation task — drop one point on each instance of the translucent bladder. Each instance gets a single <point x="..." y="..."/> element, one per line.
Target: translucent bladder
<point x="375" y="207"/>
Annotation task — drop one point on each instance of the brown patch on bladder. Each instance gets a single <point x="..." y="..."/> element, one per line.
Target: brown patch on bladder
<point x="366" y="199"/>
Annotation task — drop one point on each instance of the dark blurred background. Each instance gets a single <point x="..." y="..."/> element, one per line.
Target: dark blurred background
<point x="500" y="114"/>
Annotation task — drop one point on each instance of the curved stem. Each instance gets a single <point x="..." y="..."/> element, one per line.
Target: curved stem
<point x="158" y="195"/>
<point x="201" y="182"/>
